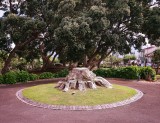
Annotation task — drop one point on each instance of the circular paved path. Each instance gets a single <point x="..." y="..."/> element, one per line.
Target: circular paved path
<point x="145" y="110"/>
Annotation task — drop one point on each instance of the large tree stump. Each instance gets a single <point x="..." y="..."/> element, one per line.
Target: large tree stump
<point x="82" y="78"/>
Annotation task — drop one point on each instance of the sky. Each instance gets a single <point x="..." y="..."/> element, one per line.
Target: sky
<point x="1" y="13"/>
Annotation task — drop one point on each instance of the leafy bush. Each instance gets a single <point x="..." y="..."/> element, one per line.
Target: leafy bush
<point x="101" y="72"/>
<point x="46" y="75"/>
<point x="130" y="72"/>
<point x="1" y="79"/>
<point x="126" y="58"/>
<point x="22" y="76"/>
<point x="147" y="73"/>
<point x="62" y="73"/>
<point x="33" y="77"/>
<point x="108" y="72"/>
<point x="9" y="78"/>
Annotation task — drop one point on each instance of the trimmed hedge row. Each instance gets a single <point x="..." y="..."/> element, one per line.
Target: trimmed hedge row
<point x="13" y="77"/>
<point x="130" y="72"/>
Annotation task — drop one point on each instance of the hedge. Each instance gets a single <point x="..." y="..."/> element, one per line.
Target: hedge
<point x="1" y="79"/>
<point x="46" y="75"/>
<point x="130" y="72"/>
<point x="33" y="77"/>
<point x="147" y="73"/>
<point x="22" y="76"/>
<point x="9" y="78"/>
<point x="13" y="77"/>
<point x="62" y="73"/>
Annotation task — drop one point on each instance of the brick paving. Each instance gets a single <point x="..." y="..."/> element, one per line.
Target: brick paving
<point x="144" y="110"/>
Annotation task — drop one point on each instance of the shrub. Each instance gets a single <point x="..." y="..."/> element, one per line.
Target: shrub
<point x="101" y="72"/>
<point x="9" y="78"/>
<point x="22" y="76"/>
<point x="33" y="77"/>
<point x="130" y="72"/>
<point x="62" y="73"/>
<point x="147" y="73"/>
<point x="1" y="79"/>
<point x="46" y="75"/>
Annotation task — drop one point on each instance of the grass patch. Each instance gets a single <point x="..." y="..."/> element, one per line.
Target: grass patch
<point x="49" y="95"/>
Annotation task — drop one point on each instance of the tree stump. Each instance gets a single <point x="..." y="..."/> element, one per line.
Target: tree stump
<point x="82" y="78"/>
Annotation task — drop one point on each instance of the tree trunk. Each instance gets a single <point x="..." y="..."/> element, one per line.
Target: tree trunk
<point x="85" y="61"/>
<point x="7" y="63"/>
<point x="13" y="52"/>
<point x="157" y="68"/>
<point x="46" y="63"/>
<point x="81" y="78"/>
<point x="100" y="60"/>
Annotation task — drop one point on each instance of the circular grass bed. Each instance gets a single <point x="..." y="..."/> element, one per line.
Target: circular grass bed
<point x="47" y="94"/>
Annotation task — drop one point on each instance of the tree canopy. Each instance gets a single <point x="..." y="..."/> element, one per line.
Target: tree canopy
<point x="156" y="59"/>
<point x="77" y="31"/>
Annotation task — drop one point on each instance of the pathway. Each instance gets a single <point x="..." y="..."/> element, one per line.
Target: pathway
<point x="145" y="110"/>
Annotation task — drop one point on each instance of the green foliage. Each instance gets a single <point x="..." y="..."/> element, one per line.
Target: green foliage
<point x="147" y="73"/>
<point x="33" y="77"/>
<point x="10" y="78"/>
<point x="156" y="56"/>
<point x="46" y="75"/>
<point x="14" y="77"/>
<point x="20" y="31"/>
<point x="151" y="25"/>
<point x="76" y="29"/>
<point x="62" y="73"/>
<point x="112" y="60"/>
<point x="126" y="58"/>
<point x="102" y="72"/>
<point x="1" y="79"/>
<point x="22" y="76"/>
<point x="130" y="72"/>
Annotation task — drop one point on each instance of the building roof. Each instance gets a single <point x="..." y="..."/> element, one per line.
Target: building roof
<point x="150" y="47"/>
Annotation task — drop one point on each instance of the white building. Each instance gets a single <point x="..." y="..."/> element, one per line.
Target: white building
<point x="146" y="54"/>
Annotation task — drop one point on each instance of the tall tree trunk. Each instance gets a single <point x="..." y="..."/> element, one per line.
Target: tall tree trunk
<point x="7" y="63"/>
<point x="157" y="68"/>
<point x="46" y="62"/>
<point x="96" y="63"/>
<point x="100" y="60"/>
<point x="85" y="61"/>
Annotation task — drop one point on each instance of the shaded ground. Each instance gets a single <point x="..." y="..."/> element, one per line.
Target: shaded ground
<point x="145" y="110"/>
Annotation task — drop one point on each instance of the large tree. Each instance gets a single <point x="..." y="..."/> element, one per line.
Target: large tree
<point x="20" y="31"/>
<point x="111" y="26"/>
<point x="151" y="26"/>
<point x="87" y="31"/>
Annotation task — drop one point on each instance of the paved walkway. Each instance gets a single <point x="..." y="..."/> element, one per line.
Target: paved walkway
<point x="145" y="110"/>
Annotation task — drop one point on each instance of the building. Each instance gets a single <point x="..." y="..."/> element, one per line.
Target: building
<point x="146" y="55"/>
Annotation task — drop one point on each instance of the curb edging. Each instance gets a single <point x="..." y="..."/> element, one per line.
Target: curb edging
<point x="79" y="108"/>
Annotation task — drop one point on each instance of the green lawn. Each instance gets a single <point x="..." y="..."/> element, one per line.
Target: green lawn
<point x="48" y="94"/>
